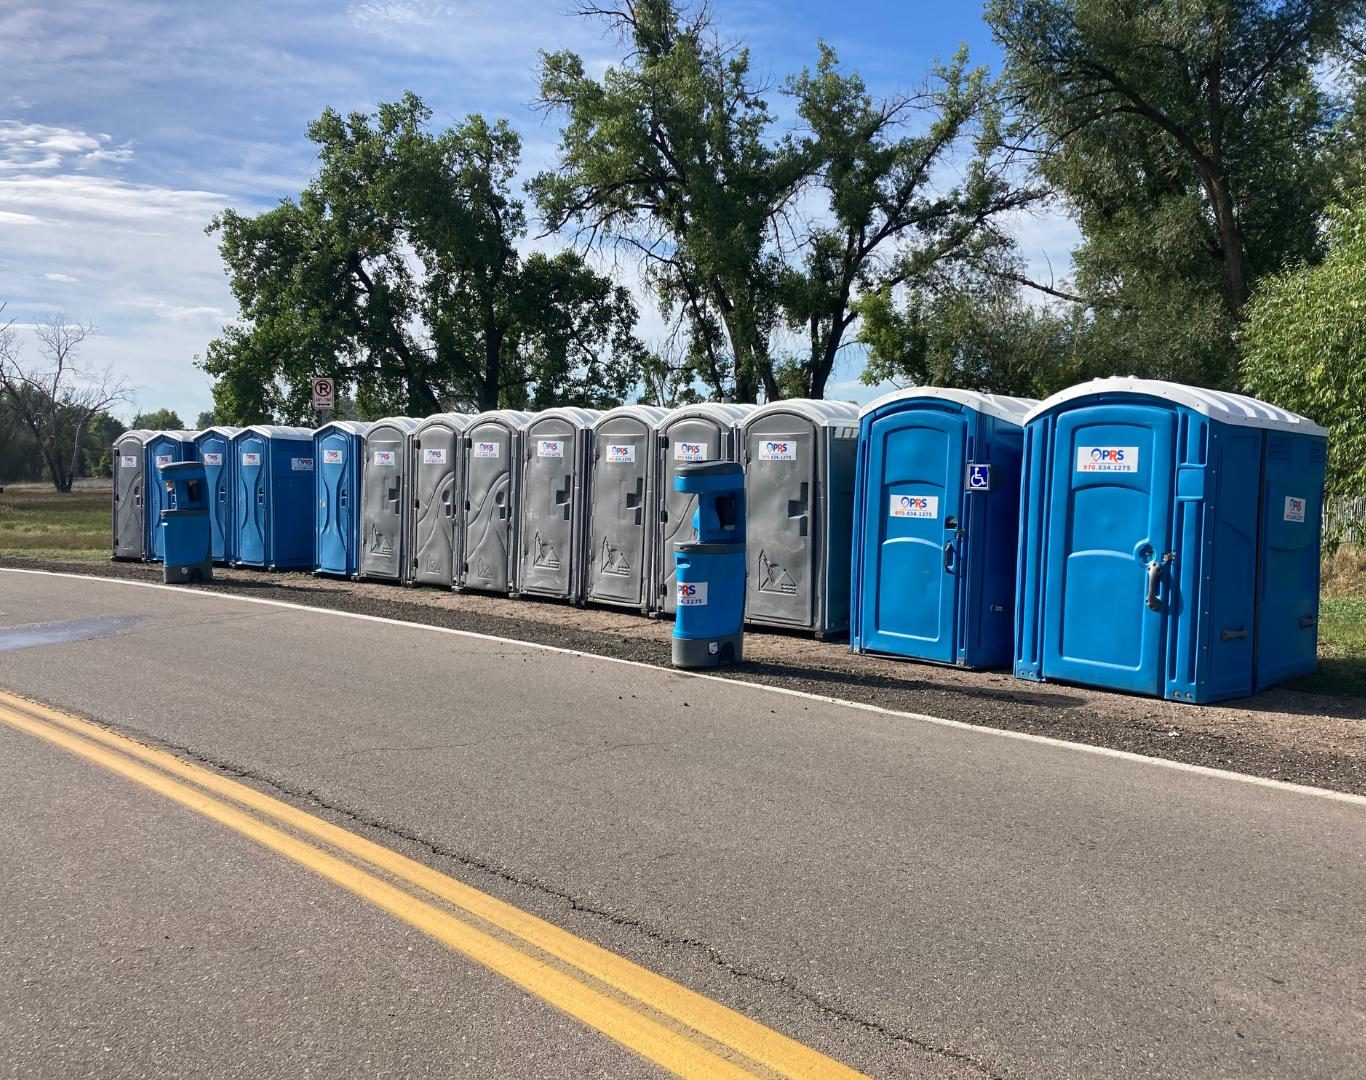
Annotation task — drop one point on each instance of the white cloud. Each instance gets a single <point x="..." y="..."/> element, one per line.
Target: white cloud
<point x="65" y="279"/>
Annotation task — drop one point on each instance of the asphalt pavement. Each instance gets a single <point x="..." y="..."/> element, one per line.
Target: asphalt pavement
<point x="908" y="898"/>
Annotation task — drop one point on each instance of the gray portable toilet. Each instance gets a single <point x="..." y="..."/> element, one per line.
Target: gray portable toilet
<point x="383" y="498"/>
<point x="620" y="532"/>
<point x="705" y="432"/>
<point x="551" y="489"/>
<point x="487" y="522"/>
<point x="800" y="457"/>
<point x="130" y="496"/>
<point x="437" y="490"/>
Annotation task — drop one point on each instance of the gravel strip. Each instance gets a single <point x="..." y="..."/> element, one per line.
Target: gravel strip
<point x="1282" y="734"/>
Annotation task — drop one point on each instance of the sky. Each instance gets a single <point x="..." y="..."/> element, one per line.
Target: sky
<point x="125" y="125"/>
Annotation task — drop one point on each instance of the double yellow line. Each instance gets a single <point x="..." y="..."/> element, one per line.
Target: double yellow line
<point x="668" y="1024"/>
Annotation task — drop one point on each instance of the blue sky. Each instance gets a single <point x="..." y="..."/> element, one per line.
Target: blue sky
<point x="126" y="124"/>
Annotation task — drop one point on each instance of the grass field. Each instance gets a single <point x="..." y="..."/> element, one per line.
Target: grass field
<point x="39" y="523"/>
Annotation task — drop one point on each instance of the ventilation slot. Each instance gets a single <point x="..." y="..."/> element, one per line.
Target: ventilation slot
<point x="1278" y="449"/>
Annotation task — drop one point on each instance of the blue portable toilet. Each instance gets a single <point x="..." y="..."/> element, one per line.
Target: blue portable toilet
<point x="338" y="452"/>
<point x="1169" y="541"/>
<point x="213" y="447"/>
<point x="936" y="520"/>
<point x="162" y="448"/>
<point x="274" y="495"/>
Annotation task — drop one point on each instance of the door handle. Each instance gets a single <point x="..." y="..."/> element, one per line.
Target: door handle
<point x="948" y="557"/>
<point x="261" y="497"/>
<point x="1233" y="633"/>
<point x="1154" y="577"/>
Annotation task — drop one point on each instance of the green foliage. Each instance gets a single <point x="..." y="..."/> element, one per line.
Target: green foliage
<point x="397" y="274"/>
<point x="204" y="420"/>
<point x="159" y="420"/>
<point x="1305" y="341"/>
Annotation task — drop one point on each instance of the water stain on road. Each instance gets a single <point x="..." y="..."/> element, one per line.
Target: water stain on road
<point x="32" y="635"/>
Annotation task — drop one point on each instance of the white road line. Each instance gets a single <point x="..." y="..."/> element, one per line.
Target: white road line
<point x="1022" y="736"/>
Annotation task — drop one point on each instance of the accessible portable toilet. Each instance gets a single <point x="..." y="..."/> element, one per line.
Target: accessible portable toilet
<point x="799" y="458"/>
<point x="130" y="495"/>
<point x="163" y="448"/>
<point x="437" y="489"/>
<point x="214" y="449"/>
<point x="274" y="493"/>
<point x="936" y="526"/>
<point x="384" y="480"/>
<point x="338" y="447"/>
<point x="487" y="526"/>
<point x="692" y="433"/>
<point x="619" y="537"/>
<point x="551" y="491"/>
<point x="1169" y="541"/>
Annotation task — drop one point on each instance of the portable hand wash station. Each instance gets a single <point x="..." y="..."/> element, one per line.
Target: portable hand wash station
<point x="185" y="523"/>
<point x="710" y="570"/>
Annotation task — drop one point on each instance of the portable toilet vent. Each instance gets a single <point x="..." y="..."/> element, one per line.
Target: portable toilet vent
<point x="437" y="492"/>
<point x="213" y="446"/>
<point x="130" y="495"/>
<point x="488" y="526"/>
<point x="274" y="512"/>
<point x="693" y="433"/>
<point x="1169" y="541"/>
<point x="162" y="448"/>
<point x="384" y="485"/>
<point x="936" y="526"/>
<point x="338" y="449"/>
<point x="551" y="491"/>
<point x="620" y="533"/>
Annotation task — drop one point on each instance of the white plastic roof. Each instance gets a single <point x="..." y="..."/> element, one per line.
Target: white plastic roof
<point x="583" y="418"/>
<point x="182" y="435"/>
<point x="142" y="435"/>
<point x="351" y="427"/>
<point x="1216" y="404"/>
<point x="281" y="431"/>
<point x="513" y="418"/>
<point x="403" y="423"/>
<point x="1012" y="410"/>
<point x="454" y="420"/>
<point x="725" y="412"/>
<point x="651" y="415"/>
<point x="825" y="413"/>
<point x="218" y="429"/>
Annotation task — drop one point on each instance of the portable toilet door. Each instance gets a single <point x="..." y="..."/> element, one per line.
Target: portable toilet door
<point x="799" y="458"/>
<point x="621" y="491"/>
<point x="705" y="432"/>
<point x="163" y="448"/>
<point x="936" y="526"/>
<point x="1147" y="522"/>
<point x="550" y="502"/>
<point x="383" y="483"/>
<point x="338" y="448"/>
<point x="487" y="516"/>
<point x="274" y="492"/>
<point x="437" y="491"/>
<point x="130" y="477"/>
<point x="214" y="448"/>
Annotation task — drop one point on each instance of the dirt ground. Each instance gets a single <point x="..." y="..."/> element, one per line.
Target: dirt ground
<point x="1287" y="735"/>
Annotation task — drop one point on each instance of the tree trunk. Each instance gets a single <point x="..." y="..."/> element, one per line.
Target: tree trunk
<point x="493" y="367"/>
<point x="1231" y="244"/>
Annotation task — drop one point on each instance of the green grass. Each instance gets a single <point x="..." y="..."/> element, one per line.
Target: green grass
<point x="1342" y="648"/>
<point x="40" y="523"/>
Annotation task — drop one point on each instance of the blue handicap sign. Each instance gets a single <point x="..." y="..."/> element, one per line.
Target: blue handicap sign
<point x="979" y="477"/>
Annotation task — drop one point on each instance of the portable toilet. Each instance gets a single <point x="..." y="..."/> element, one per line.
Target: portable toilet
<point x="936" y="526"/>
<point x="619" y="536"/>
<point x="274" y="494"/>
<point x="130" y="495"/>
<point x="692" y="433"/>
<point x="437" y="489"/>
<point x="338" y="448"/>
<point x="487" y="525"/>
<point x="162" y="448"/>
<point x="1169" y="541"/>
<point x="213" y="447"/>
<point x="552" y="488"/>
<point x="384" y="482"/>
<point x="799" y="457"/>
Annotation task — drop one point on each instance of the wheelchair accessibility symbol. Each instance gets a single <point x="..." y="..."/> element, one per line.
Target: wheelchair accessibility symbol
<point x="978" y="477"/>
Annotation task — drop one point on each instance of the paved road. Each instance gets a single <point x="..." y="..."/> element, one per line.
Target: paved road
<point x="913" y="900"/>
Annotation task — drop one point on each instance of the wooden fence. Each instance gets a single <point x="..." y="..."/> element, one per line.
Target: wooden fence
<point x="1337" y="511"/>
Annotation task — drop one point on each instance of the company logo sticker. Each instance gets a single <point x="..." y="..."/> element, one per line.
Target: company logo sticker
<point x="163" y="460"/>
<point x="213" y="459"/>
<point x="690" y="451"/>
<point x="251" y="459"/>
<point x="778" y="450"/>
<point x="621" y="455"/>
<point x="549" y="448"/>
<point x="1107" y="459"/>
<point x="1294" y="508"/>
<point x="692" y="594"/>
<point x="434" y="457"/>
<point x="384" y="457"/>
<point x="486" y="449"/>
<point x="128" y="461"/>
<point x="914" y="506"/>
<point x="332" y="457"/>
<point x="301" y="464"/>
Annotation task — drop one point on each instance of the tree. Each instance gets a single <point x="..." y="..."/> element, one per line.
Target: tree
<point x="159" y="420"/>
<point x="1305" y="342"/>
<point x="397" y="273"/>
<point x="204" y="420"/>
<point x="55" y="400"/>
<point x="1188" y="140"/>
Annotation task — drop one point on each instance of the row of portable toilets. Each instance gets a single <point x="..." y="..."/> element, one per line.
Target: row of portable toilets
<point x="1125" y="533"/>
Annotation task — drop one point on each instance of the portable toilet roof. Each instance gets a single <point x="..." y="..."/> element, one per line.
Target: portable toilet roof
<point x="517" y="418"/>
<point x="218" y="429"/>
<point x="1013" y="410"/>
<point x="351" y="427"/>
<point x="826" y="413"/>
<point x="279" y="431"/>
<point x="584" y="418"/>
<point x="725" y="411"/>
<point x="142" y="435"/>
<point x="648" y="414"/>
<point x="458" y="421"/>
<point x="403" y="423"/>
<point x="1236" y="409"/>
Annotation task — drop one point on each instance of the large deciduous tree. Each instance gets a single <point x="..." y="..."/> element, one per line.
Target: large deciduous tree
<point x="397" y="273"/>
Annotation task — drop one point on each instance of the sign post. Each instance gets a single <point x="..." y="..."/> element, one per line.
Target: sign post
<point x="323" y="398"/>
